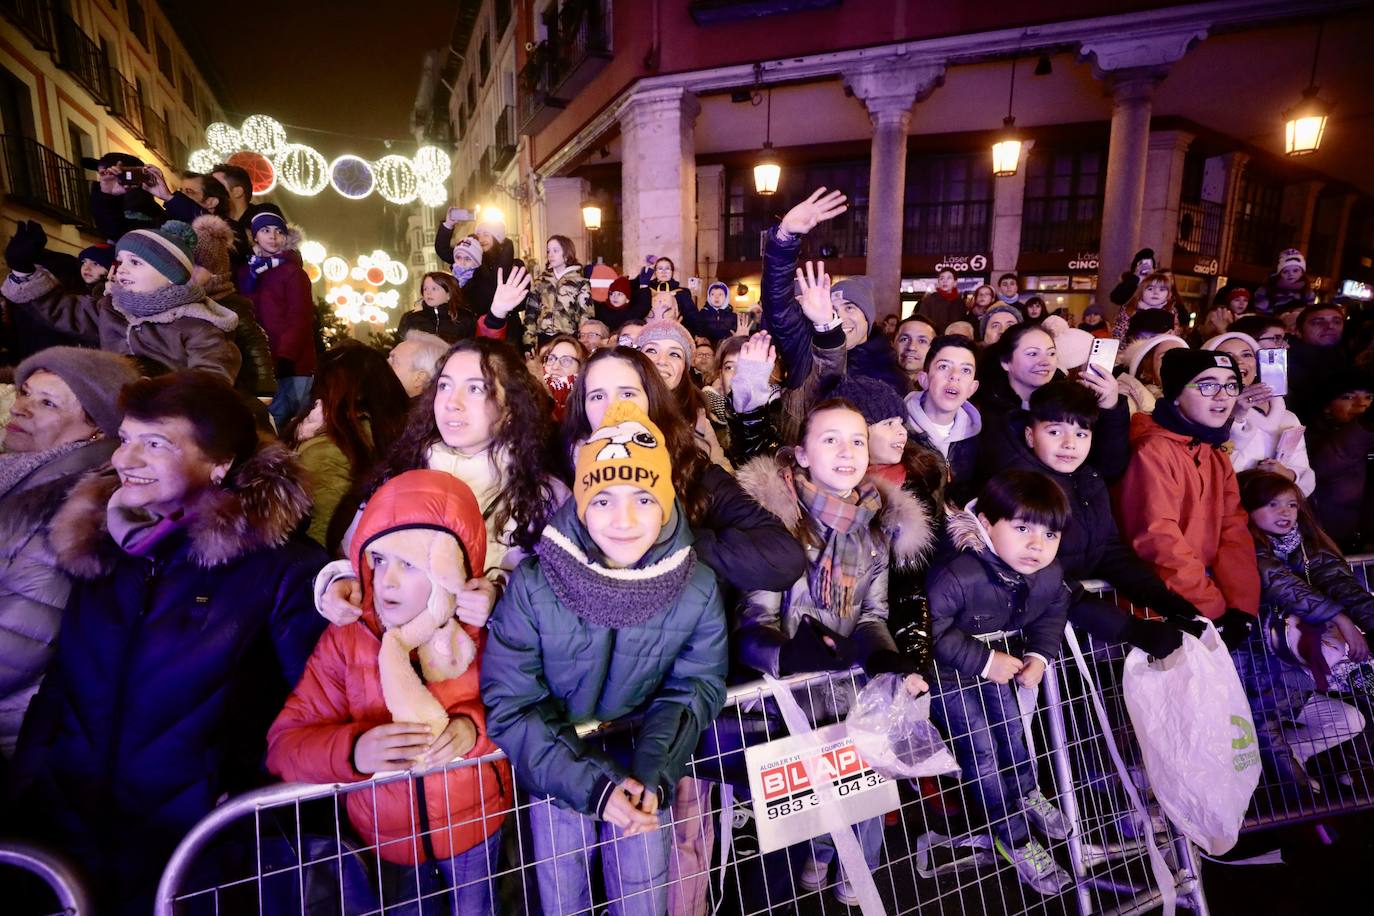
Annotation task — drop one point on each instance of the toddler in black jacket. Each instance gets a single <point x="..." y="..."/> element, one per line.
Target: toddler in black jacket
<point x="1004" y="588"/>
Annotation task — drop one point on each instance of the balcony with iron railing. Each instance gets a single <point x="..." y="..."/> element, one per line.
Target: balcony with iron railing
<point x="504" y="141"/>
<point x="1199" y="228"/>
<point x="155" y="131"/>
<point x="947" y="228"/>
<point x="126" y="103"/>
<point x="1050" y="224"/>
<point x="577" y="49"/>
<point x="34" y="19"/>
<point x="79" y="55"/>
<point x="37" y="177"/>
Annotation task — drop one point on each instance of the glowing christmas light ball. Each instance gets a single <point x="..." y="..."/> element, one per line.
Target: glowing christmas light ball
<point x="396" y="181"/>
<point x="202" y="160"/>
<point x="313" y="272"/>
<point x="432" y="164"/>
<point x="259" y="169"/>
<point x="373" y="315"/>
<point x="302" y="170"/>
<point x="312" y="252"/>
<point x="352" y="176"/>
<point x="375" y="275"/>
<point x="335" y="268"/>
<point x="358" y="273"/>
<point x="378" y="257"/>
<point x="263" y="134"/>
<point x="396" y="272"/>
<point x="223" y="139"/>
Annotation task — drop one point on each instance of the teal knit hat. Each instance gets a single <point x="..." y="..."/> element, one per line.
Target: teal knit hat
<point x="168" y="249"/>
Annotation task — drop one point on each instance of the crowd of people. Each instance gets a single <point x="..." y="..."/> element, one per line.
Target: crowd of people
<point x="233" y="557"/>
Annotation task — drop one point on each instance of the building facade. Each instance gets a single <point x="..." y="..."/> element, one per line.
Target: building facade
<point x="81" y="78"/>
<point x="1159" y="125"/>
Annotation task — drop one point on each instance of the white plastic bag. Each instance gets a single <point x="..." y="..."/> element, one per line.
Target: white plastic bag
<point x="1197" y="737"/>
<point x="893" y="732"/>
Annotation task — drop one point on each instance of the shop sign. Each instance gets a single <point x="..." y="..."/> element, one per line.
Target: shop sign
<point x="1357" y="290"/>
<point x="1084" y="260"/>
<point x="963" y="263"/>
<point x="1206" y="267"/>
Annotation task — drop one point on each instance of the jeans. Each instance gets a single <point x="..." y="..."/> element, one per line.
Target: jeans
<point x="292" y="393"/>
<point x="984" y="722"/>
<point x="635" y="869"/>
<point x="460" y="886"/>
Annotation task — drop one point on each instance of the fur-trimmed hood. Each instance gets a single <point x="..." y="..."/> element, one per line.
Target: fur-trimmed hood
<point x="965" y="532"/>
<point x="258" y="507"/>
<point x="904" y="521"/>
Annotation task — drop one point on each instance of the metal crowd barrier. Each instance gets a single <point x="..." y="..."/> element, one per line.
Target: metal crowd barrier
<point x="291" y="849"/>
<point x="66" y="888"/>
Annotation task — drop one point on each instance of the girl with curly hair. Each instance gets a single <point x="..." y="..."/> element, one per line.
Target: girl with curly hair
<point x="485" y="420"/>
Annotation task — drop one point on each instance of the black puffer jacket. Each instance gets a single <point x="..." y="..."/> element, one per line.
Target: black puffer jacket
<point x="972" y="593"/>
<point x="168" y="672"/>
<point x="482" y="287"/>
<point x="1315" y="585"/>
<point x="747" y="546"/>
<point x="438" y="322"/>
<point x="1090" y="546"/>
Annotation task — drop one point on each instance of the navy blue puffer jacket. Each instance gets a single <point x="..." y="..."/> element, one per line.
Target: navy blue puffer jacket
<point x="169" y="670"/>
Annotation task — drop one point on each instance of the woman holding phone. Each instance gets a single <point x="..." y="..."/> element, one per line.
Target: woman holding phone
<point x="1265" y="433"/>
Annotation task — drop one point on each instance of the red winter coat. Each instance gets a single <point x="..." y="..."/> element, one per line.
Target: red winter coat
<point x="285" y="308"/>
<point x="1179" y="507"/>
<point x="340" y="697"/>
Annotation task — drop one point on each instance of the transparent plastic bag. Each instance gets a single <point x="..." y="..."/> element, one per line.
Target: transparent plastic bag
<point x="893" y="733"/>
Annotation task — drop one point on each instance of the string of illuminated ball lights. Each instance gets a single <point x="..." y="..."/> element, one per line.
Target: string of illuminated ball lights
<point x="260" y="147"/>
<point x="372" y="271"/>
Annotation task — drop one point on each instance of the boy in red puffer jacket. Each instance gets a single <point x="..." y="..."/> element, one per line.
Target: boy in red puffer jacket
<point x="362" y="707"/>
<point x="277" y="284"/>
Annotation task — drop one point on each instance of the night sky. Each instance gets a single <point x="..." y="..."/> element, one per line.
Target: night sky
<point x="350" y="68"/>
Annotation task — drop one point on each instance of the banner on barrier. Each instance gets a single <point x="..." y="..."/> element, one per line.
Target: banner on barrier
<point x="787" y="811"/>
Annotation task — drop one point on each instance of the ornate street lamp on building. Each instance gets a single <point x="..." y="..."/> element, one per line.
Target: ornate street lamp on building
<point x="1305" y="123"/>
<point x="591" y="218"/>
<point x="1006" y="152"/>
<point x="767" y="171"/>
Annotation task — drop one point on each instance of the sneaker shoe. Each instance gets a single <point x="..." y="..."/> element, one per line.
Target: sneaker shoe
<point x="1046" y="818"/>
<point x="1036" y="867"/>
<point x="813" y="874"/>
<point x="845" y="893"/>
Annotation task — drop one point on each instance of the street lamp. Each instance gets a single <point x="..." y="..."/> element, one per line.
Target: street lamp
<point x="1006" y="152"/>
<point x="1305" y="123"/>
<point x="767" y="171"/>
<point x="591" y="217"/>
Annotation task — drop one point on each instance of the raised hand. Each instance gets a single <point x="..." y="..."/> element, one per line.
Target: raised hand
<point x="759" y="349"/>
<point x="817" y="208"/>
<point x="156" y="183"/>
<point x="815" y="293"/>
<point x="742" y="324"/>
<point x="510" y="291"/>
<point x="27" y="243"/>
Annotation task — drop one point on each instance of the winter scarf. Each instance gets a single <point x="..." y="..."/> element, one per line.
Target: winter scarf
<point x="463" y="274"/>
<point x="1166" y="415"/>
<point x="150" y="305"/>
<point x="1284" y="544"/>
<point x="15" y="466"/>
<point x="614" y="598"/>
<point x="138" y="532"/>
<point x="846" y="541"/>
<point x="480" y="472"/>
<point x="257" y="266"/>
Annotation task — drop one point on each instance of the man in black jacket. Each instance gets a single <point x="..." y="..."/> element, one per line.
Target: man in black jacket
<point x="1055" y="437"/>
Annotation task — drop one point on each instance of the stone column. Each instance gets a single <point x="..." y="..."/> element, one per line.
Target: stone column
<point x="710" y="221"/>
<point x="1132" y="65"/>
<point x="1124" y="196"/>
<point x="1298" y="208"/>
<point x="563" y="213"/>
<point x="888" y="91"/>
<point x="1163" y="188"/>
<point x="1008" y="200"/>
<point x="658" y="178"/>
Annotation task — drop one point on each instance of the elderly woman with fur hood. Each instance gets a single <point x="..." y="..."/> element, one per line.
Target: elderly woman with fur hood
<point x="276" y="283"/>
<point x="190" y="618"/>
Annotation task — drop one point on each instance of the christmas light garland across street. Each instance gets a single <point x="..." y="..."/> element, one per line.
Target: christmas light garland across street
<point x="261" y="145"/>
